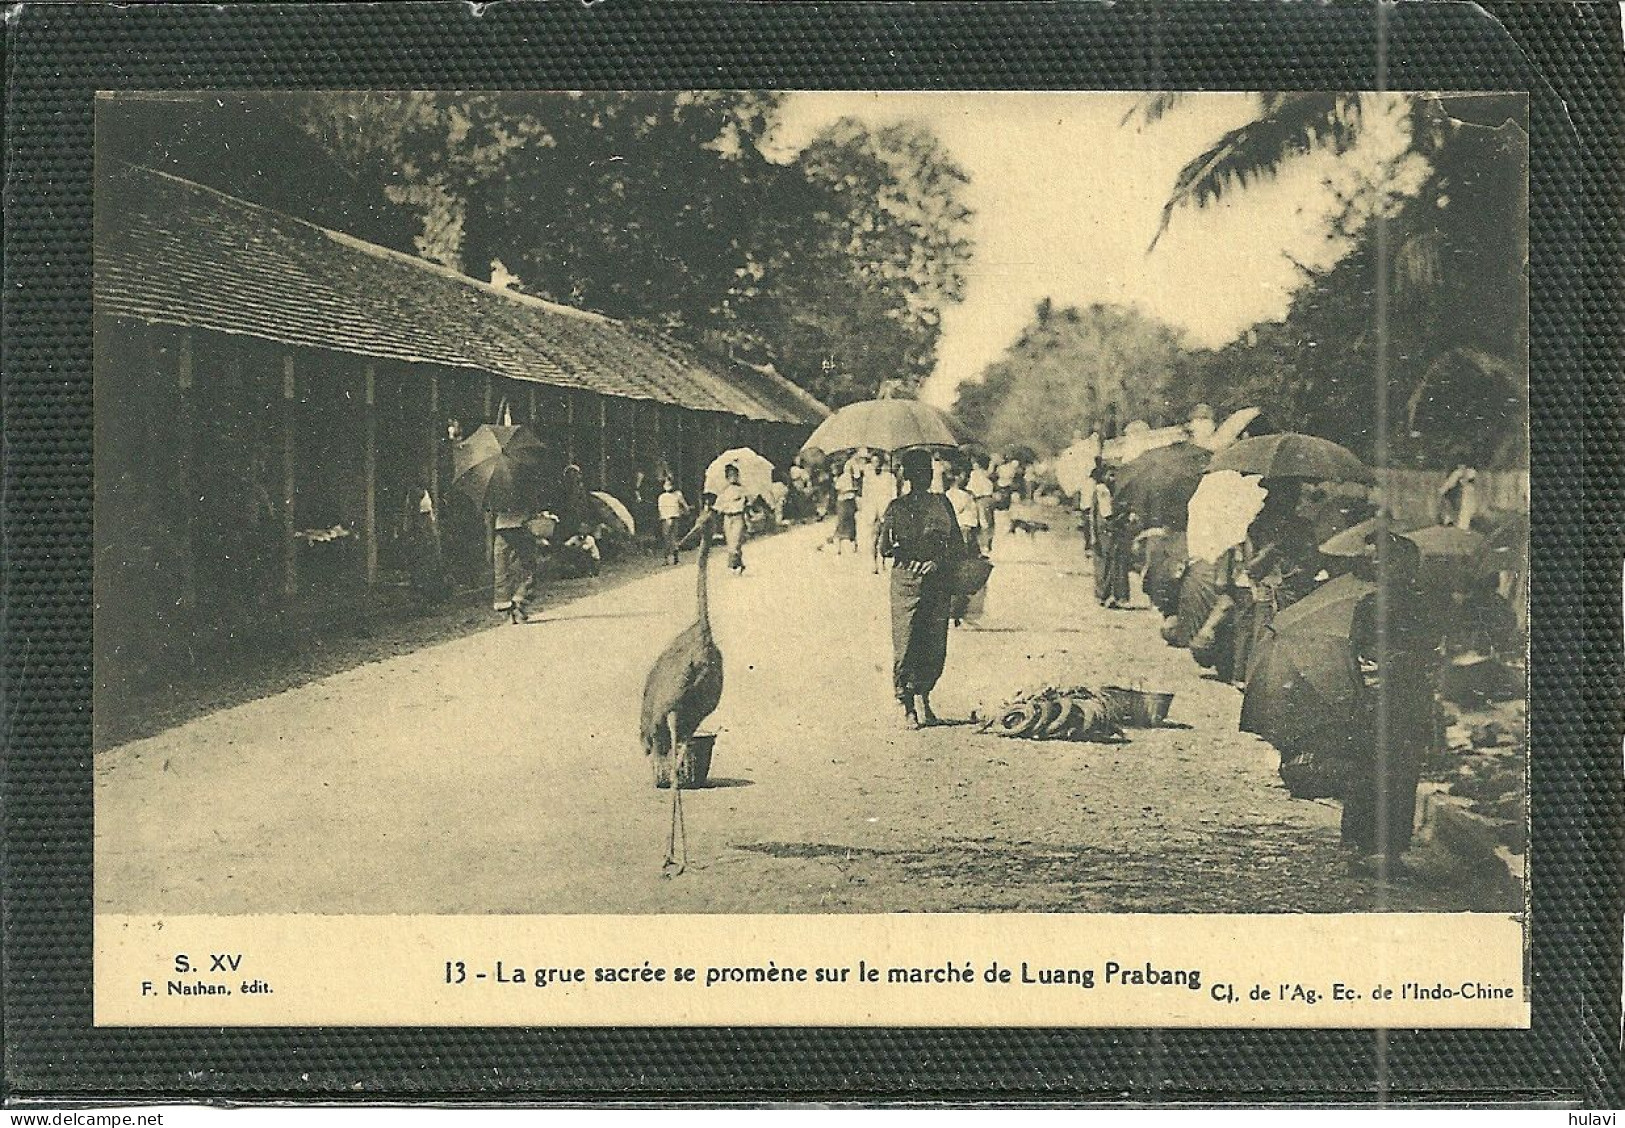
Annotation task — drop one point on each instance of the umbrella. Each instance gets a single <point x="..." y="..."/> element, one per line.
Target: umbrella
<point x="1220" y="513"/>
<point x="1226" y="433"/>
<point x="755" y="472"/>
<point x="499" y="468"/>
<point x="1304" y="689"/>
<point x="1074" y="465"/>
<point x="1326" y="611"/>
<point x="883" y="424"/>
<point x="1291" y="455"/>
<point x="1159" y="484"/>
<point x="1450" y="556"/>
<point x="612" y="511"/>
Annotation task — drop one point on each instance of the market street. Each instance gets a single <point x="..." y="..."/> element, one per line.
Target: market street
<point x="501" y="772"/>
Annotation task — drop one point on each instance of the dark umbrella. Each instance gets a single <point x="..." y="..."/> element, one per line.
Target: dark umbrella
<point x="1449" y="555"/>
<point x="1327" y="611"/>
<point x="499" y="468"/>
<point x="1158" y="485"/>
<point x="1304" y="689"/>
<point x="1291" y="455"/>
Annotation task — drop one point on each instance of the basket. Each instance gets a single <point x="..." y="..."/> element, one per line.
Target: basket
<point x="1137" y="708"/>
<point x="1314" y="775"/>
<point x="696" y="766"/>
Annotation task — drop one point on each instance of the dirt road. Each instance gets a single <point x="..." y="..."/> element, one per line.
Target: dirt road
<point x="501" y="772"/>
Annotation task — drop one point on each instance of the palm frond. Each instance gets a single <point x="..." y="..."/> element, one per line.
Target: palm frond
<point x="1152" y="108"/>
<point x="1289" y="126"/>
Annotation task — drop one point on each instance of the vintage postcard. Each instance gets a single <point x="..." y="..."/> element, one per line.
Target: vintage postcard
<point x="742" y="557"/>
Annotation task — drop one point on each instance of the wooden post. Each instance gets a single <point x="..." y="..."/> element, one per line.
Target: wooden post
<point x="290" y="547"/>
<point x="369" y="516"/>
<point x="184" y="472"/>
<point x="634" y="407"/>
<point x="531" y="417"/>
<point x="486" y="417"/>
<point x="603" y="442"/>
<point x="570" y="425"/>
<point x="435" y="435"/>
<point x="661" y="456"/>
<point x="680" y="464"/>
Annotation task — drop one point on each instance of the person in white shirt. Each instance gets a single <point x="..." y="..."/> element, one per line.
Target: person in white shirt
<point x="967" y="511"/>
<point x="730" y="504"/>
<point x="980" y="485"/>
<point x="670" y="506"/>
<point x="879" y="491"/>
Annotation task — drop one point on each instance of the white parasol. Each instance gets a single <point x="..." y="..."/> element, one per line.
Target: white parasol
<point x="1220" y="512"/>
<point x="1074" y="464"/>
<point x="755" y="472"/>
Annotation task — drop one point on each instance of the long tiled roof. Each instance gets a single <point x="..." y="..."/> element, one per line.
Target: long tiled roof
<point x="174" y="252"/>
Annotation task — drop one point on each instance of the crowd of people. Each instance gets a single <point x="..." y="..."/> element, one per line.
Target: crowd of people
<point x="1405" y="624"/>
<point x="927" y="518"/>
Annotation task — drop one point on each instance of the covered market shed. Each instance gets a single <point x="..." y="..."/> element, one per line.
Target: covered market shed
<point x="273" y="398"/>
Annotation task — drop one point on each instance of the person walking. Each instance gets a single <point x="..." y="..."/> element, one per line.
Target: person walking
<point x="846" y="486"/>
<point x="922" y="539"/>
<point x="1113" y="545"/>
<point x="671" y="506"/>
<point x="879" y="491"/>
<point x="730" y="504"/>
<point x="965" y="607"/>
<point x="514" y="556"/>
<point x="980" y="485"/>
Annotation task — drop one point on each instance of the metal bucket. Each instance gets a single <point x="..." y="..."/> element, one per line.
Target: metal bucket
<point x="1138" y="708"/>
<point x="696" y="763"/>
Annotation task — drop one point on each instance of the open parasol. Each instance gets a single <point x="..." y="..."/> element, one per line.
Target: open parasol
<point x="1450" y="556"/>
<point x="612" y="511"/>
<point x="499" y="468"/>
<point x="755" y="472"/>
<point x="1292" y="455"/>
<point x="1304" y="689"/>
<point x="1220" y="512"/>
<point x="883" y="424"/>
<point x="1074" y="465"/>
<point x="1159" y="484"/>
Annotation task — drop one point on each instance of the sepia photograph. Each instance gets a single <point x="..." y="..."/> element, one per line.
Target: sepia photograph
<point x="625" y="503"/>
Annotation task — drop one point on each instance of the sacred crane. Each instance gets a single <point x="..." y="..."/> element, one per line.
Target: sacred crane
<point x="683" y="688"/>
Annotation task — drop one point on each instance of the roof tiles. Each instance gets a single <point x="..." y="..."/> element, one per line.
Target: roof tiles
<point x="177" y="253"/>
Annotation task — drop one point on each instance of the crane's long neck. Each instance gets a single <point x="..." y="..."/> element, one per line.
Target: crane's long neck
<point x="703" y="589"/>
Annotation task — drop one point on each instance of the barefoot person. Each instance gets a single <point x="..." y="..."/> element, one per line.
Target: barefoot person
<point x="731" y="504"/>
<point x="921" y="538"/>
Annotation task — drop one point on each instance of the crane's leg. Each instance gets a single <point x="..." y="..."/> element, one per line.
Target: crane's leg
<point x="676" y="857"/>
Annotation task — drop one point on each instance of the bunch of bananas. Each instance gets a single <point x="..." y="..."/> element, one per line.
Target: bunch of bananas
<point x="1053" y="713"/>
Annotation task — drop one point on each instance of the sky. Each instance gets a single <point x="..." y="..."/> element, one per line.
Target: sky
<point x="1067" y="199"/>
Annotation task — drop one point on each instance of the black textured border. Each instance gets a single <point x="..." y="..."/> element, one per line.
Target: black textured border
<point x="1566" y="55"/>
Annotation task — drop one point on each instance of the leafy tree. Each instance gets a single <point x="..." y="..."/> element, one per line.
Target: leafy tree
<point x="862" y="257"/>
<point x="1448" y="251"/>
<point x="245" y="145"/>
<point x="1078" y="370"/>
<point x="662" y="208"/>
